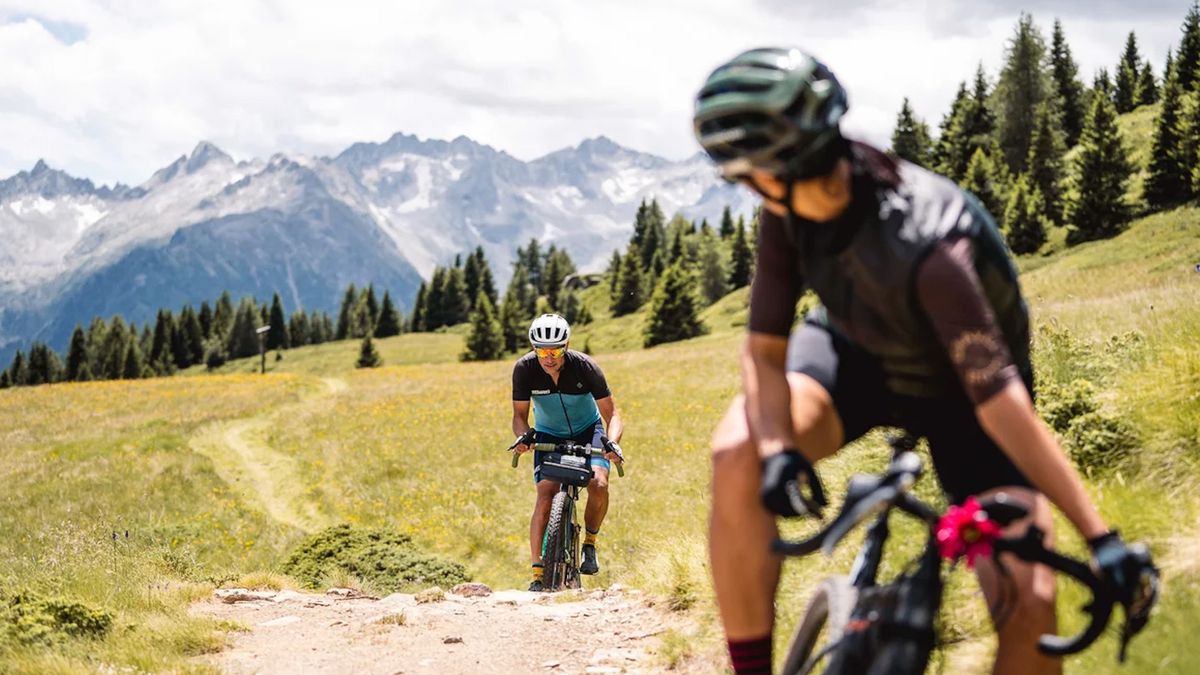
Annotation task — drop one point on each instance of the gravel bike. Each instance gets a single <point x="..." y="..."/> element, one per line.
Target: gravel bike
<point x="855" y="624"/>
<point x="570" y="465"/>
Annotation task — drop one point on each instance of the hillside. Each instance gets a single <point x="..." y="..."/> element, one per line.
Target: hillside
<point x="132" y="499"/>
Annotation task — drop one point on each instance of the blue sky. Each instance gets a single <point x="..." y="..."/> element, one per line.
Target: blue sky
<point x="114" y="89"/>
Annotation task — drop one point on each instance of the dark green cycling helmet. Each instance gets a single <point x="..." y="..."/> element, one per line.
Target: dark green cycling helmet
<point x="772" y="109"/>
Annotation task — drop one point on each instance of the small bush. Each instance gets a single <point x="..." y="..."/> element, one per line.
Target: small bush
<point x="31" y="619"/>
<point x="1098" y="442"/>
<point x="386" y="559"/>
<point x="1060" y="404"/>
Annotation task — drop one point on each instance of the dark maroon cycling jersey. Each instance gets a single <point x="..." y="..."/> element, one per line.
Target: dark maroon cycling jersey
<point x="914" y="271"/>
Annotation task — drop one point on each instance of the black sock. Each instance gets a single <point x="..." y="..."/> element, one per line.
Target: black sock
<point x="751" y="657"/>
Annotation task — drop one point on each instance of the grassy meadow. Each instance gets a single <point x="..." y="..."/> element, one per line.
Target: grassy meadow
<point x="128" y="500"/>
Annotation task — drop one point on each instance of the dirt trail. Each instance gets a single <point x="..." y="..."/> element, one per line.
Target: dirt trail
<point x="612" y="631"/>
<point x="261" y="475"/>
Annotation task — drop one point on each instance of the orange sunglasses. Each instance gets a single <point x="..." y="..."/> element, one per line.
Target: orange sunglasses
<point x="554" y="352"/>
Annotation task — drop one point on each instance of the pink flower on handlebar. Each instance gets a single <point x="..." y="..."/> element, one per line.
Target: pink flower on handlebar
<point x="966" y="531"/>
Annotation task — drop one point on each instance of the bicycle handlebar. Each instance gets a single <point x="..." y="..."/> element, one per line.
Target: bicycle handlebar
<point x="568" y="449"/>
<point x="1031" y="547"/>
<point x="868" y="495"/>
<point x="865" y="497"/>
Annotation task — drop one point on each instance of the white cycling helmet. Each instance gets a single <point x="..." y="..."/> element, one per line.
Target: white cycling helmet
<point x="549" y="330"/>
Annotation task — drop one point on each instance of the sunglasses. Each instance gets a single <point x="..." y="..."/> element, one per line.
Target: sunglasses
<point x="553" y="352"/>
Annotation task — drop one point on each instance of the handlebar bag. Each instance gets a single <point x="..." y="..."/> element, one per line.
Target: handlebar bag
<point x="567" y="469"/>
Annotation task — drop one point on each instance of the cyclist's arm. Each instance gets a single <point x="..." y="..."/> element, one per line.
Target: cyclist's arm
<point x="520" y="421"/>
<point x="613" y="425"/>
<point x="777" y="285"/>
<point x="949" y="290"/>
<point x="768" y="398"/>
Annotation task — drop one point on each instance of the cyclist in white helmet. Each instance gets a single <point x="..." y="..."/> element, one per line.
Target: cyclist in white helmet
<point x="571" y="402"/>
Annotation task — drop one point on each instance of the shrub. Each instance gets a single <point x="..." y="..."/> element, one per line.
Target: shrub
<point x="29" y="618"/>
<point x="385" y="558"/>
<point x="1060" y="404"/>
<point x="215" y="356"/>
<point x="1098" y="442"/>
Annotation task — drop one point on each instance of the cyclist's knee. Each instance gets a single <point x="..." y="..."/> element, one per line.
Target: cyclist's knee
<point x="732" y="449"/>
<point x="599" y="483"/>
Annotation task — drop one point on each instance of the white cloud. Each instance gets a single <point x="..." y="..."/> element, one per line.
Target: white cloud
<point x="148" y="80"/>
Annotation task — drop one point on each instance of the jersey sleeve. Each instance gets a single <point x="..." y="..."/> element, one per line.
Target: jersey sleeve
<point x="777" y="282"/>
<point x="949" y="290"/>
<point x="596" y="381"/>
<point x="520" y="382"/>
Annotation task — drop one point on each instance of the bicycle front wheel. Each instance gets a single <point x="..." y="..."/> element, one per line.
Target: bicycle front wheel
<point x="557" y="557"/>
<point x="823" y="625"/>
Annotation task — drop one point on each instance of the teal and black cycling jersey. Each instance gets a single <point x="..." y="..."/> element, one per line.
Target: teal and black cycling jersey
<point x="569" y="407"/>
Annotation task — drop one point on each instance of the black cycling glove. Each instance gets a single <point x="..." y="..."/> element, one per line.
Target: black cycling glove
<point x="790" y="486"/>
<point x="1128" y="572"/>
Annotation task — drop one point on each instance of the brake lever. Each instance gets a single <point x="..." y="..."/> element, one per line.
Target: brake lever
<point x="1138" y="614"/>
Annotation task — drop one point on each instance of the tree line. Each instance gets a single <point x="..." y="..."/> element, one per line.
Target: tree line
<point x="1041" y="150"/>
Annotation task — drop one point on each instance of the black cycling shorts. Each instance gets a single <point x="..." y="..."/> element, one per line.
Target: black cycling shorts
<point x="966" y="459"/>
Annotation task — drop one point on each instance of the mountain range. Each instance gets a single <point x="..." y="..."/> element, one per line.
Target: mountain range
<point x="305" y="227"/>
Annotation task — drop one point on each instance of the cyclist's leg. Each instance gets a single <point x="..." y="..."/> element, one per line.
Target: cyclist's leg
<point x="1022" y="601"/>
<point x="968" y="462"/>
<point x="597" y="490"/>
<point x="546" y="489"/>
<point x="823" y="373"/>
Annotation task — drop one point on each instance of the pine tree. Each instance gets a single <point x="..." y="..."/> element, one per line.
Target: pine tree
<point x="677" y="250"/>
<point x="277" y="336"/>
<point x="346" y="312"/>
<point x="516" y="310"/>
<point x="44" y="365"/>
<point x="116" y="343"/>
<point x="712" y="270"/>
<point x="985" y="179"/>
<point x="655" y="242"/>
<point x="361" y="324"/>
<point x="389" y="318"/>
<point x="1045" y="161"/>
<point x="613" y="272"/>
<point x="1022" y="86"/>
<point x="726" y="230"/>
<point x="1065" y="74"/>
<point x="532" y="257"/>
<point x="368" y="356"/>
<point x="910" y="138"/>
<point x="435" y="310"/>
<point x="674" y="308"/>
<point x="559" y="266"/>
<point x="243" y="337"/>
<point x="1125" y="93"/>
<point x="134" y="366"/>
<point x="1187" y="59"/>
<point x="454" y="298"/>
<point x="950" y="139"/>
<point x="1096" y="206"/>
<point x="741" y="259"/>
<point x="1168" y="181"/>
<point x="485" y="341"/>
<point x="575" y="311"/>
<point x="18" y="370"/>
<point x="222" y="318"/>
<point x="192" y="333"/>
<point x="471" y="273"/>
<point x="299" y="331"/>
<point x="629" y="286"/>
<point x="416" y="322"/>
<point x="77" y="358"/>
<point x="5" y="379"/>
<point x="96" y="332"/>
<point x="206" y="320"/>
<point x="1147" y="87"/>
<point x="181" y="352"/>
<point x="372" y="304"/>
<point x="1024" y="218"/>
